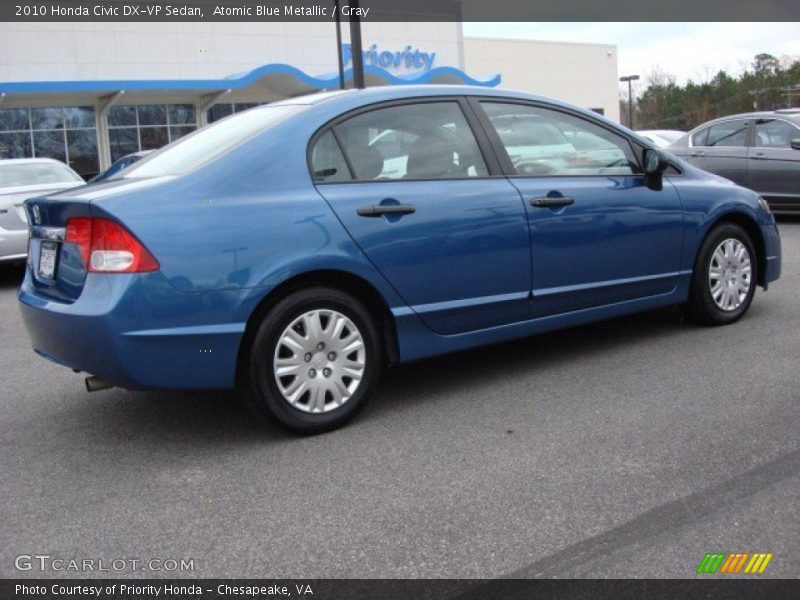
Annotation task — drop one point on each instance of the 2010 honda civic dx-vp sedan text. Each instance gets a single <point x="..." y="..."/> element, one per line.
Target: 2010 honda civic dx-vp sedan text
<point x="295" y="249"/>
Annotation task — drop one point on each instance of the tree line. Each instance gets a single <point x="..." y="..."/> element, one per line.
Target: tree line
<point x="768" y="84"/>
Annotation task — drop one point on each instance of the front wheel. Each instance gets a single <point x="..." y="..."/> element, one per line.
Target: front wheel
<point x="725" y="277"/>
<point x="314" y="361"/>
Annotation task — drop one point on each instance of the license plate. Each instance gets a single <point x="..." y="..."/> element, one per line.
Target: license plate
<point x="47" y="260"/>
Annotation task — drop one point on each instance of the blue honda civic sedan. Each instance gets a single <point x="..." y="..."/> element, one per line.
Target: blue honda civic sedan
<point x="294" y="250"/>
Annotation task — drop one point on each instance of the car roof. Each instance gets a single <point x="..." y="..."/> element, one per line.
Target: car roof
<point x="32" y="161"/>
<point x="792" y="114"/>
<point x="349" y="99"/>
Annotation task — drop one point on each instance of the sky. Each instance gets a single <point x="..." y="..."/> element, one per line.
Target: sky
<point x="694" y="51"/>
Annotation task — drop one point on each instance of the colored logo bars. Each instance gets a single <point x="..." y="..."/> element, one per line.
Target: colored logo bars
<point x="721" y="562"/>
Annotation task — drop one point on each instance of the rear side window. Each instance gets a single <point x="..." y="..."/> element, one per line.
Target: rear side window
<point x="730" y="133"/>
<point x="429" y="140"/>
<point x="327" y="161"/>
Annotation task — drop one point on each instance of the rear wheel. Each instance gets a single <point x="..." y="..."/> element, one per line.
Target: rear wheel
<point x="725" y="276"/>
<point x="314" y="361"/>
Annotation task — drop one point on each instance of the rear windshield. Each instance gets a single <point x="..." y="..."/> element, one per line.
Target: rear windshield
<point x="191" y="151"/>
<point x="35" y="174"/>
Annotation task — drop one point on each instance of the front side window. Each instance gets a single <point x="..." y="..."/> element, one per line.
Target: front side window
<point x="772" y="133"/>
<point x="414" y="141"/>
<point x="699" y="138"/>
<point x="545" y="142"/>
<point x="730" y="133"/>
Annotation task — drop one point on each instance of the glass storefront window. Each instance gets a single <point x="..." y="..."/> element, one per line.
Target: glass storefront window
<point x="67" y="134"/>
<point x="182" y="114"/>
<point x="220" y="111"/>
<point x="152" y="114"/>
<point x="14" y="119"/>
<point x="16" y="145"/>
<point x="50" y="144"/>
<point x="132" y="128"/>
<point x="82" y="150"/>
<point x="47" y="118"/>
<point x="119" y="116"/>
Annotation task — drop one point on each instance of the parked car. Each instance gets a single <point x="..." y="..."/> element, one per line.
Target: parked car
<point x="119" y="164"/>
<point x="274" y="252"/>
<point x="662" y="137"/>
<point x="21" y="178"/>
<point x="759" y="150"/>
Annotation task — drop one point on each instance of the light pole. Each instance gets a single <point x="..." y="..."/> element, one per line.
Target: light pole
<point x="630" y="78"/>
<point x="355" y="43"/>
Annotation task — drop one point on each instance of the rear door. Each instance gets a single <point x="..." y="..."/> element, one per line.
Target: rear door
<point x="411" y="185"/>
<point x="599" y="235"/>
<point x="773" y="165"/>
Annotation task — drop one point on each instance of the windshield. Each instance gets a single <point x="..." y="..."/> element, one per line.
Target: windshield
<point x="191" y="151"/>
<point x="35" y="173"/>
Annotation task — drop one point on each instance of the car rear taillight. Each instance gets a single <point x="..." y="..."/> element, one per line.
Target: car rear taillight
<point x="107" y="247"/>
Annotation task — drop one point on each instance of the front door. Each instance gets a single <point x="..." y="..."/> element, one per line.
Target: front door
<point x="773" y="165"/>
<point x="598" y="234"/>
<point x="725" y="150"/>
<point x="413" y="189"/>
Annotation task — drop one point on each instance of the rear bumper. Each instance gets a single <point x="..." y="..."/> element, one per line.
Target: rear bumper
<point x="136" y="332"/>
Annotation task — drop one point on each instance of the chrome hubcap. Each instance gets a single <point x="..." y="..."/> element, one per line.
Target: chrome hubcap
<point x="319" y="361"/>
<point x="729" y="274"/>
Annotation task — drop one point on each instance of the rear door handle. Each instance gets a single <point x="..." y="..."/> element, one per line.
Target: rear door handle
<point x="759" y="156"/>
<point x="549" y="201"/>
<point x="698" y="153"/>
<point x="378" y="210"/>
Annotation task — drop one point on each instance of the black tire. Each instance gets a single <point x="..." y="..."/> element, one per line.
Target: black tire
<point x="260" y="389"/>
<point x="701" y="307"/>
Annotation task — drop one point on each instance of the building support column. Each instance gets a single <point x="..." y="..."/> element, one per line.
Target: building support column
<point x="101" y="121"/>
<point x="207" y="102"/>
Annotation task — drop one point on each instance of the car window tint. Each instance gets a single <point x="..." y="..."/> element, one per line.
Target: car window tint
<point x="730" y="133"/>
<point x="414" y="141"/>
<point x="327" y="161"/>
<point x="772" y="133"/>
<point x="545" y="142"/>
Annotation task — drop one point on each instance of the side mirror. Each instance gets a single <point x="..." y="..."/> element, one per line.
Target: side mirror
<point x="655" y="163"/>
<point x="795" y="143"/>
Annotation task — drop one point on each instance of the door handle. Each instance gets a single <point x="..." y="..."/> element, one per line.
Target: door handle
<point x="696" y="154"/>
<point x="550" y="201"/>
<point x="758" y="156"/>
<point x="378" y="210"/>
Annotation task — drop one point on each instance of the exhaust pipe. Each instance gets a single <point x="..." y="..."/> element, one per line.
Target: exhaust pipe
<point x="95" y="384"/>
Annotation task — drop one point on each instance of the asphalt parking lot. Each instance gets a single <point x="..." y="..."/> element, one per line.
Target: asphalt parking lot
<point x="624" y="449"/>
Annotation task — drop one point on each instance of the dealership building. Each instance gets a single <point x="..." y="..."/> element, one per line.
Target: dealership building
<point x="88" y="93"/>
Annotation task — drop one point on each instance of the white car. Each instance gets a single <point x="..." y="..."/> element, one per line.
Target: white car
<point x="661" y="137"/>
<point x="20" y="179"/>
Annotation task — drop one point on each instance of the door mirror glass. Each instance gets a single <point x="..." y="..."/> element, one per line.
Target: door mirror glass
<point x="796" y="143"/>
<point x="654" y="161"/>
